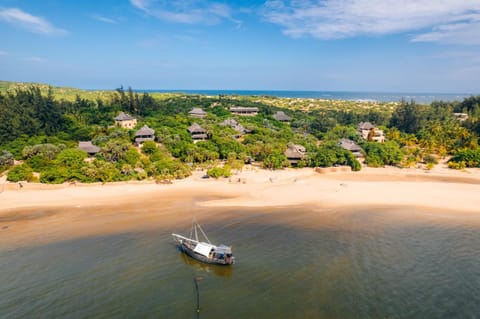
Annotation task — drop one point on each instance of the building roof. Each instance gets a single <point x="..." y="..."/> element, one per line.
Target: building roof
<point x="197" y="111"/>
<point x="365" y="126"/>
<point x="281" y="116"/>
<point x="243" y="109"/>
<point x="195" y="128"/>
<point x="88" y="147"/>
<point x="295" y="151"/>
<point x="235" y="125"/>
<point x="349" y="145"/>
<point x="123" y="117"/>
<point x="145" y="131"/>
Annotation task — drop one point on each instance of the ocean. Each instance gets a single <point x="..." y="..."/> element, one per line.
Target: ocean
<point x="292" y="263"/>
<point x="332" y="95"/>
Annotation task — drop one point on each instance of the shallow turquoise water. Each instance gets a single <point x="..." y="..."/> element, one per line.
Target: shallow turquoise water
<point x="362" y="264"/>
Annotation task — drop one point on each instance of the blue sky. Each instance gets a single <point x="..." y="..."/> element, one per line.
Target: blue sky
<point x="349" y="45"/>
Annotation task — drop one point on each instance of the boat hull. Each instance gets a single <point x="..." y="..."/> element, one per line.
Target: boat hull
<point x="189" y="252"/>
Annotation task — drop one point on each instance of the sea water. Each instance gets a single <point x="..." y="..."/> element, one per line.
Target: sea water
<point x="332" y="95"/>
<point x="300" y="262"/>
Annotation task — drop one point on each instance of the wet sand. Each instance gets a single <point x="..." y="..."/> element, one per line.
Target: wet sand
<point x="35" y="214"/>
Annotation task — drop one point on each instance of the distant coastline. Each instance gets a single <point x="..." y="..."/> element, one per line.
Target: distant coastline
<point x="329" y="95"/>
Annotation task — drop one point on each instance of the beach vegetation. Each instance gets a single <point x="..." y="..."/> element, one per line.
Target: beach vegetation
<point x="217" y="171"/>
<point x="42" y="126"/>
<point x="53" y="175"/>
<point x="149" y="147"/>
<point x="465" y="158"/>
<point x="275" y="160"/>
<point x="6" y="160"/>
<point x="381" y="154"/>
<point x="331" y="154"/>
<point x="21" y="172"/>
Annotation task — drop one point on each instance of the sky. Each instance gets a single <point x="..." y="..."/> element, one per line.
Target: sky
<point x="319" y="45"/>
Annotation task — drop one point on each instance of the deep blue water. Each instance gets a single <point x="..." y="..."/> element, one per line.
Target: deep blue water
<point x="332" y="95"/>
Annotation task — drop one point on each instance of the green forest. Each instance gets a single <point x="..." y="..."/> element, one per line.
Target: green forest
<point x="41" y="127"/>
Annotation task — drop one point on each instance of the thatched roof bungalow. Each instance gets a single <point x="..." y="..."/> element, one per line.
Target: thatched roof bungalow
<point x="369" y="132"/>
<point x="461" y="116"/>
<point x="244" y="111"/>
<point x="281" y="117"/>
<point x="351" y="146"/>
<point x="144" y="134"/>
<point x="197" y="113"/>
<point x="89" y="148"/>
<point x="197" y="132"/>
<point x="295" y="153"/>
<point x="235" y="125"/>
<point x="125" y="120"/>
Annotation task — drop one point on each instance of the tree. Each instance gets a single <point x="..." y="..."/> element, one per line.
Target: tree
<point x="6" y="160"/>
<point x="380" y="154"/>
<point x="149" y="147"/>
<point x="408" y="117"/>
<point x="275" y="160"/>
<point x="71" y="158"/>
<point x="115" y="150"/>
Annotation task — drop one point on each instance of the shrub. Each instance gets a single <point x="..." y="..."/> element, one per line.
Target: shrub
<point x="71" y="158"/>
<point x="49" y="151"/>
<point x="469" y="158"/>
<point x="149" y="147"/>
<point x="169" y="168"/>
<point x="54" y="175"/>
<point x="430" y="159"/>
<point x="380" y="154"/>
<point x="275" y="160"/>
<point x="217" y="172"/>
<point x="20" y="173"/>
<point x="457" y="165"/>
<point x="6" y="160"/>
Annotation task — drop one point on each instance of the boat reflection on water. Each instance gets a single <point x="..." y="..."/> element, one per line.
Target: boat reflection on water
<point x="217" y="270"/>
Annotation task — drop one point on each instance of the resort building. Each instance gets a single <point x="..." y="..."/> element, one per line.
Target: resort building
<point x="282" y="117"/>
<point x="126" y="121"/>
<point x="351" y="146"/>
<point x="197" y="113"/>
<point x="244" y="111"/>
<point x="461" y="116"/>
<point x="144" y="134"/>
<point x="89" y="148"/>
<point x="236" y="126"/>
<point x="295" y="153"/>
<point x="370" y="133"/>
<point x="197" y="132"/>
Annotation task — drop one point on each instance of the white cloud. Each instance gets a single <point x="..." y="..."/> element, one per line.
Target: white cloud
<point x="104" y="19"/>
<point x="333" y="19"/>
<point x="3" y="53"/>
<point x="35" y="59"/>
<point x="29" y="22"/>
<point x="187" y="11"/>
<point x="455" y="33"/>
<point x="140" y="4"/>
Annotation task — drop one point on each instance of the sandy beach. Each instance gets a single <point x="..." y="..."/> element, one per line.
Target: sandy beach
<point x="51" y="212"/>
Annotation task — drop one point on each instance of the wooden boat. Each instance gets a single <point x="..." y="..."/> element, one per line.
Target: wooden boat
<point x="204" y="251"/>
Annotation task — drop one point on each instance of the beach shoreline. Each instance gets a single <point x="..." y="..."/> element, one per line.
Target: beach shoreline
<point x="38" y="213"/>
<point x="253" y="187"/>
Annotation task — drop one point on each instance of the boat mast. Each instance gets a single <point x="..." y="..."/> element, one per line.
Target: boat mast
<point x="203" y="233"/>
